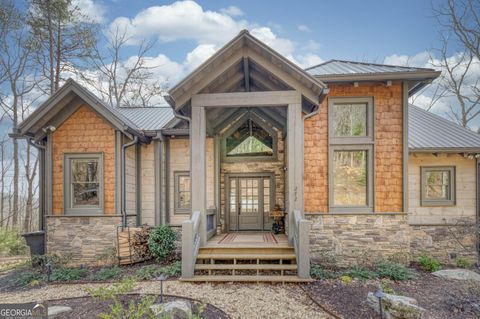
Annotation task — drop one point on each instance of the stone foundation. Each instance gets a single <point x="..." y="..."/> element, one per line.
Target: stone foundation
<point x="445" y="242"/>
<point x="346" y="240"/>
<point x="88" y="239"/>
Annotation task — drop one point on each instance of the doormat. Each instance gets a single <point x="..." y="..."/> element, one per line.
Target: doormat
<point x="248" y="239"/>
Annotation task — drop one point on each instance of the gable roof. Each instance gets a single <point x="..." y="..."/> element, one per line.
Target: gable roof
<point x="342" y="70"/>
<point x="148" y="118"/>
<point x="73" y="93"/>
<point x="430" y="132"/>
<point x="244" y="45"/>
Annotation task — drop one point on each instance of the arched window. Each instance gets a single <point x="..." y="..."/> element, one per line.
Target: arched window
<point x="249" y="139"/>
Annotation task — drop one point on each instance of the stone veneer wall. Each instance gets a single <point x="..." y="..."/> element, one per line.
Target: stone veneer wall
<point x="388" y="148"/>
<point x="86" y="238"/>
<point x="350" y="239"/>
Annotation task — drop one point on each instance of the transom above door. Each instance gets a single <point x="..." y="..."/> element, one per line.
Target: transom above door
<point x="248" y="202"/>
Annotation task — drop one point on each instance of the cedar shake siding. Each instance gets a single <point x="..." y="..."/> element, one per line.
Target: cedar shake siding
<point x="84" y="132"/>
<point x="388" y="148"/>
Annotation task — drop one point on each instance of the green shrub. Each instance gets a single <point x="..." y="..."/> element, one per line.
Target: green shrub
<point x="29" y="277"/>
<point x="318" y="272"/>
<point x="429" y="264"/>
<point x="360" y="272"/>
<point x="11" y="243"/>
<point x="161" y="242"/>
<point x="67" y="274"/>
<point x="107" y="273"/>
<point x="463" y="263"/>
<point x="394" y="271"/>
<point x="346" y="279"/>
<point x="105" y="293"/>
<point x="148" y="272"/>
<point x="58" y="261"/>
<point x="174" y="269"/>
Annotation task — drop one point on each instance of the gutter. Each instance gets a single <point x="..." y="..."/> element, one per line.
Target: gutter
<point x="124" y="182"/>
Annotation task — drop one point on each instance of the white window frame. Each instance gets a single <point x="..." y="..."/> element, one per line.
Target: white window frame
<point x="68" y="207"/>
<point x="352" y="143"/>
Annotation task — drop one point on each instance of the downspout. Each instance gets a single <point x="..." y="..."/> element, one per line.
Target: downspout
<point x="41" y="214"/>
<point x="124" y="182"/>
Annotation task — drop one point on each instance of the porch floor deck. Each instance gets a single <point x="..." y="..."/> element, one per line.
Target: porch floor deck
<point x="248" y="240"/>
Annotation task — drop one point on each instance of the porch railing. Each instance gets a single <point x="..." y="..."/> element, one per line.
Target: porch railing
<point x="211" y="222"/>
<point x="301" y="241"/>
<point x="190" y="244"/>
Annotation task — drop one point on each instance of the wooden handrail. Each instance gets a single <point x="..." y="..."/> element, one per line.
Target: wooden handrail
<point x="301" y="229"/>
<point x="190" y="244"/>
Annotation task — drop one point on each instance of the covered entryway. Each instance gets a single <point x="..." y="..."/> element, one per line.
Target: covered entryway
<point x="251" y="101"/>
<point x="248" y="202"/>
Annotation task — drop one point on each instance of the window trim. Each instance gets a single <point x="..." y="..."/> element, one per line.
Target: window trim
<point x="67" y="190"/>
<point x="331" y="193"/>
<point x="260" y="122"/>
<point x="363" y="143"/>
<point x="176" y="197"/>
<point x="368" y="139"/>
<point x="424" y="202"/>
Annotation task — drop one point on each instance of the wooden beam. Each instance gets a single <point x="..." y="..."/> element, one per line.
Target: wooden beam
<point x="198" y="168"/>
<point x="294" y="162"/>
<point x="245" y="99"/>
<point x="262" y="81"/>
<point x="246" y="72"/>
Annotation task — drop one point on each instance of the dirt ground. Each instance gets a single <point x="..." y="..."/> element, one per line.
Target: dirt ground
<point x="442" y="299"/>
<point x="237" y="300"/>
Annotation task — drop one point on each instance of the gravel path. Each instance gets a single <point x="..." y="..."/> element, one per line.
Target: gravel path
<point x="238" y="300"/>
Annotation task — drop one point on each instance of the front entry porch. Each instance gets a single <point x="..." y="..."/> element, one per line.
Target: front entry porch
<point x="247" y="257"/>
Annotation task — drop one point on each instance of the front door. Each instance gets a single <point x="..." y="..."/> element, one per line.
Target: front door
<point x="248" y="202"/>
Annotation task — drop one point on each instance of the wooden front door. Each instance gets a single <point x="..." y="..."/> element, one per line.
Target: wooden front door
<point x="248" y="202"/>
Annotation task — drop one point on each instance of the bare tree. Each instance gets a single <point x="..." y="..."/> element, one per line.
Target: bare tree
<point x="30" y="171"/>
<point x="16" y="52"/>
<point x="63" y="35"/>
<point x="123" y="83"/>
<point x="5" y="165"/>
<point x="462" y="18"/>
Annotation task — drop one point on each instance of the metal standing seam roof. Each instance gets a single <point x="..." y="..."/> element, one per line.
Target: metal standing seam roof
<point x="147" y="118"/>
<point x="341" y="67"/>
<point x="429" y="131"/>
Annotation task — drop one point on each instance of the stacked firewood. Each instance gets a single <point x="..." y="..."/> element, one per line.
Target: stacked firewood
<point x="139" y="244"/>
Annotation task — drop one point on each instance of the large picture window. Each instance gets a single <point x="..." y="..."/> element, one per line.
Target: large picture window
<point x="438" y="186"/>
<point x="182" y="192"/>
<point x="83" y="186"/>
<point x="350" y="154"/>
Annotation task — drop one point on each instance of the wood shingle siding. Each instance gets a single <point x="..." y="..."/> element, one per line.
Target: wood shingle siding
<point x="84" y="132"/>
<point x="388" y="149"/>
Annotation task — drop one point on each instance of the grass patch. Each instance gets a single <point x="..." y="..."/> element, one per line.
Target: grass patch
<point x="153" y="271"/>
<point x="360" y="272"/>
<point x="317" y="272"/>
<point x="67" y="274"/>
<point x="11" y="243"/>
<point x="29" y="278"/>
<point x="107" y="273"/>
<point x="174" y="269"/>
<point x="463" y="263"/>
<point x="429" y="264"/>
<point x="394" y="271"/>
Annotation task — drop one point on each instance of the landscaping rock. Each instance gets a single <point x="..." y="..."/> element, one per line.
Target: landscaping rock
<point x="396" y="307"/>
<point x="178" y="309"/>
<point x="458" y="274"/>
<point x="54" y="311"/>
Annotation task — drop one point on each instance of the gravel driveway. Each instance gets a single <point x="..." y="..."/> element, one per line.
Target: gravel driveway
<point x="238" y="300"/>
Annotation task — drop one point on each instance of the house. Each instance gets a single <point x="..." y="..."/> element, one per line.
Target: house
<point x="359" y="172"/>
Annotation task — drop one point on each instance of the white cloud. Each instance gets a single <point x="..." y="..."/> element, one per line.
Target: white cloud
<point x="91" y="9"/>
<point x="282" y="45"/>
<point x="421" y="60"/>
<point x="303" y="28"/>
<point x="182" y="20"/>
<point x="198" y="55"/>
<point x="309" y="60"/>
<point x="232" y="11"/>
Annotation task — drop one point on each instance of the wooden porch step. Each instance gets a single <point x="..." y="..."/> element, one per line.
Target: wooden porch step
<point x="245" y="267"/>
<point x="227" y="278"/>
<point x="285" y="256"/>
<point x="246" y="250"/>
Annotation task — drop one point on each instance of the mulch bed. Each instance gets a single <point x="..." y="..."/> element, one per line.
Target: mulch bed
<point x="443" y="299"/>
<point x="8" y="279"/>
<point x="87" y="307"/>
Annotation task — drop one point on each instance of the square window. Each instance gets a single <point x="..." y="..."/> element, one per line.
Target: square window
<point x="350" y="120"/>
<point x="438" y="186"/>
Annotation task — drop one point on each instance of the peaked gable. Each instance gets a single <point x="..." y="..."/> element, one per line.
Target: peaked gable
<point x="245" y="48"/>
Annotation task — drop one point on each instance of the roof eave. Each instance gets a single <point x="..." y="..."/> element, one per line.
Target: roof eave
<point x="444" y="150"/>
<point x="384" y="76"/>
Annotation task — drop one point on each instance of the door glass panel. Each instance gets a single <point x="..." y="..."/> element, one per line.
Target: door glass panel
<point x="249" y="195"/>
<point x="233" y="195"/>
<point x="266" y="195"/>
